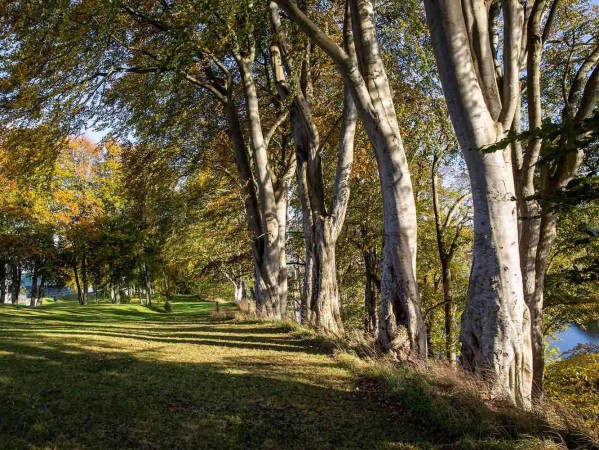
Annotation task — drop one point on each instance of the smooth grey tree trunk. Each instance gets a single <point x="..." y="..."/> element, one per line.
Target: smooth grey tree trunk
<point x="538" y="220"/>
<point x="321" y="224"/>
<point x="495" y="332"/>
<point x="268" y="262"/>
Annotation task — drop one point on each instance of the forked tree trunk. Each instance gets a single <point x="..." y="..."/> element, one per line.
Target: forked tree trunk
<point x="268" y="260"/>
<point x="401" y="328"/>
<point x="321" y="295"/>
<point x="538" y="237"/>
<point x="265" y="290"/>
<point x="495" y="332"/>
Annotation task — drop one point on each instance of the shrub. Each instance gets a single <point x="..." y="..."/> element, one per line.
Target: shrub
<point x="574" y="381"/>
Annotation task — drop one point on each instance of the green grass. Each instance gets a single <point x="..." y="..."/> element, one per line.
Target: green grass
<point x="126" y="376"/>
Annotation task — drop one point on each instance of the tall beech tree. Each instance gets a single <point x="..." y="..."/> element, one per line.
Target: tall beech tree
<point x="322" y="225"/>
<point x="560" y="38"/>
<point x="401" y="328"/>
<point x="495" y="331"/>
<point x="500" y="337"/>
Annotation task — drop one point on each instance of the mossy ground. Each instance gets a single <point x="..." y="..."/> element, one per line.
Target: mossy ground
<point x="126" y="376"/>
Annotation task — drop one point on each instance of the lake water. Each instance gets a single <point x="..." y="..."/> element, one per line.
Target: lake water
<point x="574" y="335"/>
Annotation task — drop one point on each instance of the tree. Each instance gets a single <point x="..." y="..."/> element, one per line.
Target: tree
<point x="484" y="99"/>
<point x="401" y="329"/>
<point x="448" y="232"/>
<point x="322" y="224"/>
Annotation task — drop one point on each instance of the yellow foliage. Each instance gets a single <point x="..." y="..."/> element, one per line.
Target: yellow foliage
<point x="574" y="381"/>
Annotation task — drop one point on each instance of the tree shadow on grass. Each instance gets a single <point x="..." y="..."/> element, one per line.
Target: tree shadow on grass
<point x="85" y="378"/>
<point x="61" y="396"/>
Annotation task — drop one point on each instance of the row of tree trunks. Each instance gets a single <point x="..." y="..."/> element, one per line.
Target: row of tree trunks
<point x="401" y="328"/>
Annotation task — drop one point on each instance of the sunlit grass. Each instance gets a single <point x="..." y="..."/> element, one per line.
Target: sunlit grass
<point x="106" y="376"/>
<point x="127" y="376"/>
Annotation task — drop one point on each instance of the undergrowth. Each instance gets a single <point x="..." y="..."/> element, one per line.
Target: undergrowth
<point x="447" y="404"/>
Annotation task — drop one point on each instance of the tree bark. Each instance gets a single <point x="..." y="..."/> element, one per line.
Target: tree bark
<point x="449" y="309"/>
<point x="3" y="276"/>
<point x="84" y="281"/>
<point x="320" y="228"/>
<point x="268" y="261"/>
<point x="77" y="283"/>
<point x="15" y="284"/>
<point x="33" y="300"/>
<point x="148" y="282"/>
<point x="282" y="206"/>
<point x="116" y="296"/>
<point x="41" y="290"/>
<point x="307" y="315"/>
<point x="495" y="332"/>
<point x="167" y="290"/>
<point x="372" y="284"/>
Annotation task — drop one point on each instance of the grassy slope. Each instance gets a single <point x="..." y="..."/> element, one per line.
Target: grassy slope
<point x="125" y="376"/>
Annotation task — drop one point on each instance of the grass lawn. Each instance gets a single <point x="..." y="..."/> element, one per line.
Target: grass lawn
<point x="125" y="376"/>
